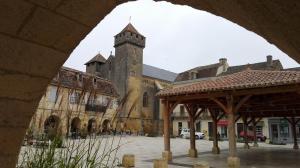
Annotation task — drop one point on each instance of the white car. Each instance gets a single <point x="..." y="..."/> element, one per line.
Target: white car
<point x="185" y="133"/>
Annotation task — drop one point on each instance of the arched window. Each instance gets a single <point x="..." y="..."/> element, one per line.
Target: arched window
<point x="145" y="99"/>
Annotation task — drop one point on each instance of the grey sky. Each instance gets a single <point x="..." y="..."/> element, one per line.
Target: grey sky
<point x="178" y="38"/>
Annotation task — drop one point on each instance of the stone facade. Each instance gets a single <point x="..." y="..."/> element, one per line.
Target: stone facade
<point x="76" y="102"/>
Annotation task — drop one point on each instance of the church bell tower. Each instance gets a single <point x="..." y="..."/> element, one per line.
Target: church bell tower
<point x="129" y="45"/>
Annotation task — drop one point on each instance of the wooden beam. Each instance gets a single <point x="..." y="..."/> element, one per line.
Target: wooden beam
<point x="199" y="113"/>
<point x="220" y="116"/>
<point x="241" y="102"/>
<point x="221" y="105"/>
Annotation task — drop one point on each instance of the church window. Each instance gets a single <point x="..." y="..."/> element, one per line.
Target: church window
<point x="79" y="77"/>
<point x="145" y="99"/>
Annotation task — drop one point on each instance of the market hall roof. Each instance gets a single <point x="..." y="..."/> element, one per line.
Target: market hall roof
<point x="248" y="79"/>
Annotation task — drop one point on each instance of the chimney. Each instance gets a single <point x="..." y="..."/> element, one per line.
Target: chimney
<point x="269" y="60"/>
<point x="223" y="61"/>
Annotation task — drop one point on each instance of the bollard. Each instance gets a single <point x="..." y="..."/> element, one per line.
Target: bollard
<point x="233" y="162"/>
<point x="160" y="163"/>
<point x="201" y="165"/>
<point x="128" y="160"/>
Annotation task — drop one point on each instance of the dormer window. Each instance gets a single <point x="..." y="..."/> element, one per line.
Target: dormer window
<point x="193" y="75"/>
<point x="79" y="77"/>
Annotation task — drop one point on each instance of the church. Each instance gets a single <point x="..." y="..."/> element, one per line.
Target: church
<point x="129" y="75"/>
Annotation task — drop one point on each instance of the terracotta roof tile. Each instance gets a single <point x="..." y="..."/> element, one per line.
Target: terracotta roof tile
<point x="242" y="80"/>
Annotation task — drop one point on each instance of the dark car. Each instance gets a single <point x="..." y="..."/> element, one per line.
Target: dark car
<point x="250" y="135"/>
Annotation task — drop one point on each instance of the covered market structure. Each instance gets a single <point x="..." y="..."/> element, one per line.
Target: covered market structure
<point x="250" y="95"/>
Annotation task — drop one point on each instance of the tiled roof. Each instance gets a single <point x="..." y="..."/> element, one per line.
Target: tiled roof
<point x="202" y="72"/>
<point x="130" y="28"/>
<point x="97" y="58"/>
<point x="158" y="73"/>
<point x="276" y="66"/>
<point x="242" y="80"/>
<point x="75" y="79"/>
<point x="292" y="69"/>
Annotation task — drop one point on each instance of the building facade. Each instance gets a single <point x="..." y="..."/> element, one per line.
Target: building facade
<point x="76" y="103"/>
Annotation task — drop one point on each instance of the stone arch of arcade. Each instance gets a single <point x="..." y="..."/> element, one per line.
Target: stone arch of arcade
<point x="51" y="124"/>
<point x="75" y="127"/>
<point x="105" y="127"/>
<point x="36" y="38"/>
<point x="91" y="127"/>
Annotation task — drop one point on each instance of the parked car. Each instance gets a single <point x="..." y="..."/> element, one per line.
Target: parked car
<point x="250" y="135"/>
<point x="185" y="133"/>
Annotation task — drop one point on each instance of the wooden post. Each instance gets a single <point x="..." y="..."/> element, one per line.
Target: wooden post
<point x="215" y="117"/>
<point x="193" y="150"/>
<point x="254" y="123"/>
<point x="231" y="130"/>
<point x="215" y="149"/>
<point x="192" y="110"/>
<point x="231" y="109"/>
<point x="294" y="123"/>
<point x="246" y="145"/>
<point x="167" y="154"/>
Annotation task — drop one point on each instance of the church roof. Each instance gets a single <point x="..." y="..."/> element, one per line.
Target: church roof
<point x="158" y="73"/>
<point x="97" y="58"/>
<point x="130" y="28"/>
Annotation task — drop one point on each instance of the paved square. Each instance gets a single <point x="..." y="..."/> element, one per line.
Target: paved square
<point x="146" y="149"/>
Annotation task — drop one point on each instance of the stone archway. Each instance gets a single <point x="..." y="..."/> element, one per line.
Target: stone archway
<point x="106" y="126"/>
<point x="75" y="127"/>
<point x="51" y="126"/>
<point x="91" y="127"/>
<point x="36" y="37"/>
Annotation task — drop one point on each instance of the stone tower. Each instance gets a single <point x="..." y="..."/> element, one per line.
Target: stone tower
<point x="128" y="68"/>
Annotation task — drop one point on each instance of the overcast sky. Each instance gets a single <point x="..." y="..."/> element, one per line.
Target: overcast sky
<point x="178" y="38"/>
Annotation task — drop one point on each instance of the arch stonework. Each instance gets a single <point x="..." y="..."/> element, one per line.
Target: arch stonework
<point x="36" y="37"/>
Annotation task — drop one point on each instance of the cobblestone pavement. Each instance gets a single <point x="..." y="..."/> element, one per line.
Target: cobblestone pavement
<point x="146" y="149"/>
